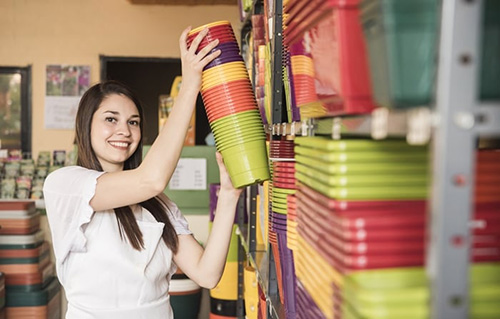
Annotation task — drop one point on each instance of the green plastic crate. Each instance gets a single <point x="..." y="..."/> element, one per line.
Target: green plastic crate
<point x="402" y="38"/>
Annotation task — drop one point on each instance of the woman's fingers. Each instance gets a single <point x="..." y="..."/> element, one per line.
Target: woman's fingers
<point x="209" y="47"/>
<point x="183" y="40"/>
<point x="218" y="157"/>
<point x="207" y="59"/>
<point x="197" y="40"/>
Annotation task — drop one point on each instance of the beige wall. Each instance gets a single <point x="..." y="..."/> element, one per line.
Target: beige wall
<point x="41" y="32"/>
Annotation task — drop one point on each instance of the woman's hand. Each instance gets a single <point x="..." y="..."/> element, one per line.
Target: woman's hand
<point x="225" y="181"/>
<point x="192" y="62"/>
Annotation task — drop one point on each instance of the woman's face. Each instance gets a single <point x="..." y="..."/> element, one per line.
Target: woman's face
<point x="115" y="132"/>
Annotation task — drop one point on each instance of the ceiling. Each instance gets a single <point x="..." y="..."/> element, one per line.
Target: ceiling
<point x="185" y="2"/>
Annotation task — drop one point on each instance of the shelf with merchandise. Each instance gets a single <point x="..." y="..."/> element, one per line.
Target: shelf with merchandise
<point x="452" y="123"/>
<point x="259" y="260"/>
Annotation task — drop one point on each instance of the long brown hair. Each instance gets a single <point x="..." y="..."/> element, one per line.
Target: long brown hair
<point x="89" y="104"/>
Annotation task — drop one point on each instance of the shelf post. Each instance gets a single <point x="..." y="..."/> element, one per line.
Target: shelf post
<point x="453" y="163"/>
<point x="279" y="111"/>
<point x="240" y="303"/>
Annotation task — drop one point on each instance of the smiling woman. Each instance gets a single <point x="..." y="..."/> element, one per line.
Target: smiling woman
<point x="117" y="238"/>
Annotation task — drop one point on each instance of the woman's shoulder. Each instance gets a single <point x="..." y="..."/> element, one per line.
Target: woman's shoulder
<point x="69" y="175"/>
<point x="67" y="169"/>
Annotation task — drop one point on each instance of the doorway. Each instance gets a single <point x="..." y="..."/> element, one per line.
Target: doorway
<point x="150" y="78"/>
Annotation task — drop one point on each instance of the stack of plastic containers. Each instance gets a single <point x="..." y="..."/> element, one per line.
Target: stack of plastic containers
<point x="282" y="154"/>
<point x="293" y="112"/>
<point x="486" y="223"/>
<point x="231" y="108"/>
<point x="251" y="293"/>
<point x="404" y="293"/>
<point x="402" y="39"/>
<point x="302" y="75"/>
<point x="259" y="54"/>
<point x="361" y="212"/>
<point x="185" y="296"/>
<point x="332" y="33"/>
<point x="31" y="288"/>
<point x="223" y="298"/>
<point x="360" y="206"/>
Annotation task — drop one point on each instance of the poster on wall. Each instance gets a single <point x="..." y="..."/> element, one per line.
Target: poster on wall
<point x="65" y="85"/>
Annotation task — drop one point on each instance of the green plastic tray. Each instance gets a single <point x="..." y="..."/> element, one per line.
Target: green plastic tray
<point x="275" y="204"/>
<point x="388" y="292"/>
<point x="391" y="156"/>
<point x="283" y="191"/>
<point x="363" y="180"/>
<point x="477" y="311"/>
<point x="364" y="168"/>
<point x="481" y="273"/>
<point x="365" y="193"/>
<point x="363" y="145"/>
<point x="402" y="38"/>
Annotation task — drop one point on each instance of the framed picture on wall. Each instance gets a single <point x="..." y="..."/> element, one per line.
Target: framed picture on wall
<point x="15" y="108"/>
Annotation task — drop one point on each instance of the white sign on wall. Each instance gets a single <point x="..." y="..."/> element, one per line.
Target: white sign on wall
<point x="190" y="174"/>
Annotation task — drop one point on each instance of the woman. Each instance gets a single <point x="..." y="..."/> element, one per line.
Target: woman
<point x="117" y="239"/>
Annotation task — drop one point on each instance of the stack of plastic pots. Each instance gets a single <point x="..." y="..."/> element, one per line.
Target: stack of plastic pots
<point x="231" y="108"/>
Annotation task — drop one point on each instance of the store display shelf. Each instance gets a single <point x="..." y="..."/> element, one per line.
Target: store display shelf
<point x="259" y="260"/>
<point x="303" y="128"/>
<point x="415" y="124"/>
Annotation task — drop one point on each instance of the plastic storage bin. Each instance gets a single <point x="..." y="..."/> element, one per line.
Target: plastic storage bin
<point x="490" y="54"/>
<point x="402" y="38"/>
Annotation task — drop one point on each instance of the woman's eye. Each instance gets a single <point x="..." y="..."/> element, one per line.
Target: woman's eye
<point x="110" y="119"/>
<point x="134" y="122"/>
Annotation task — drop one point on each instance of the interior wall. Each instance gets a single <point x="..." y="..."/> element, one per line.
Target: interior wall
<point x="76" y="32"/>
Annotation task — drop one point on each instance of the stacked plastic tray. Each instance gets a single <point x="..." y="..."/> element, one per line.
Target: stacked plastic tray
<point x="185" y="296"/>
<point x="31" y="288"/>
<point x="486" y="221"/>
<point x="404" y="293"/>
<point x="361" y="212"/>
<point x="259" y="55"/>
<point x="360" y="206"/>
<point x="331" y="33"/>
<point x="302" y="81"/>
<point x="283" y="181"/>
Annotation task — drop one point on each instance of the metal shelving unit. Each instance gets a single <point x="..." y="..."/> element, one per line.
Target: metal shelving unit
<point x="452" y="125"/>
<point x="261" y="260"/>
<point x="461" y="120"/>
